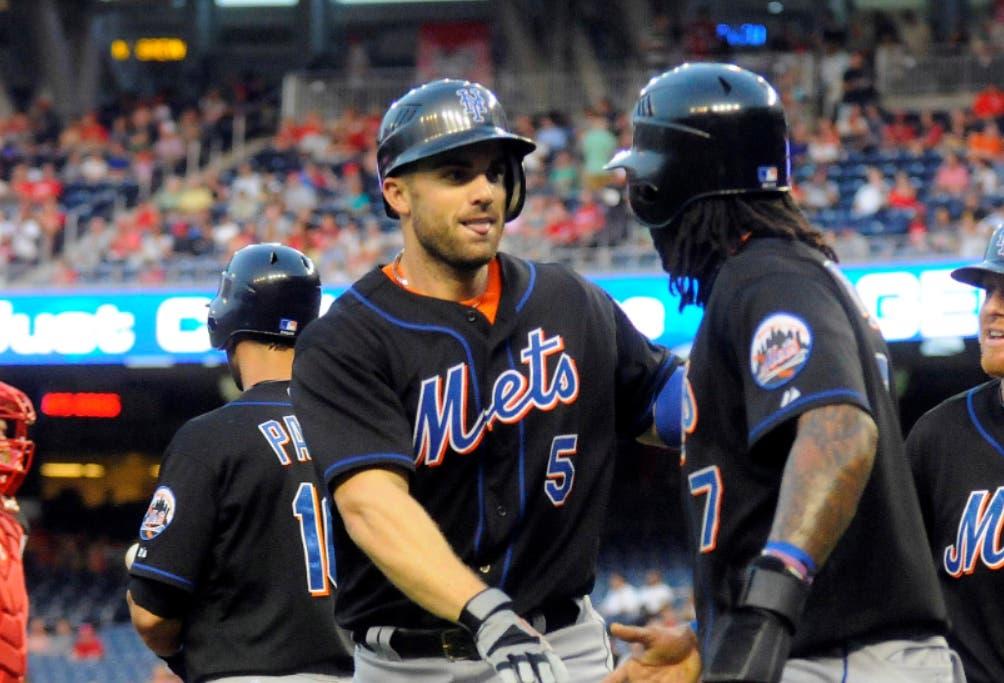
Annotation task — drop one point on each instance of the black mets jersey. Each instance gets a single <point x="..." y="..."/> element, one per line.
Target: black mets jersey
<point x="240" y="522"/>
<point x="957" y="453"/>
<point x="507" y="430"/>
<point x="783" y="333"/>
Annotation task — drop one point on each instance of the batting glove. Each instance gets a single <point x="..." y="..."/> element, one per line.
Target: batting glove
<point x="751" y="642"/>
<point x="516" y="652"/>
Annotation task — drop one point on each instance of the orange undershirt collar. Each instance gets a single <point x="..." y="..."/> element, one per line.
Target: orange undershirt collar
<point x="487" y="303"/>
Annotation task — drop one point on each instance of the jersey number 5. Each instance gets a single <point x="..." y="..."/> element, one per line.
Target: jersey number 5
<point x="561" y="469"/>
<point x="708" y="481"/>
<point x="314" y="515"/>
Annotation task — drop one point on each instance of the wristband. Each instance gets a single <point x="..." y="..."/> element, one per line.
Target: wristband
<point x="668" y="410"/>
<point x="794" y="558"/>
<point x="771" y="586"/>
<point x="481" y="606"/>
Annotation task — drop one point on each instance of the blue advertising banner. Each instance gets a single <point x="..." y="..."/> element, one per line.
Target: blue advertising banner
<point x="912" y="302"/>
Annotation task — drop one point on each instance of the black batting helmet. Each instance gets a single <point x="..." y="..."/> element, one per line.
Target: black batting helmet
<point x="444" y="115"/>
<point x="992" y="263"/>
<point x="703" y="130"/>
<point x="267" y="290"/>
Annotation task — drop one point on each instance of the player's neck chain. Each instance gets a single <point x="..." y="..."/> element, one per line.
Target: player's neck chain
<point x="395" y="269"/>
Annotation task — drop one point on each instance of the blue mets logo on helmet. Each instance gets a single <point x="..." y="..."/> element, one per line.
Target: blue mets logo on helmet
<point x="159" y="514"/>
<point x="473" y="101"/>
<point x="1000" y="243"/>
<point x="780" y="348"/>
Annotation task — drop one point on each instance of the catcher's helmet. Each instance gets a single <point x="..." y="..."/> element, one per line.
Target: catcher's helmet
<point x="267" y="290"/>
<point x="16" y="449"/>
<point x="444" y="115"/>
<point x="703" y="130"/>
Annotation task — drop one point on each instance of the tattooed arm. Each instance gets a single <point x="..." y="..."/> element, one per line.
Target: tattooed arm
<point x="827" y="470"/>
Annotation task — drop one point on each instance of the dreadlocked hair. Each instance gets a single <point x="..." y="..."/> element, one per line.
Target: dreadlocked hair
<point x="712" y="229"/>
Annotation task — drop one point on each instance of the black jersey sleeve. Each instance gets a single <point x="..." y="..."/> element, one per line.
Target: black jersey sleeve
<point x="642" y="369"/>
<point x="160" y="598"/>
<point x="796" y="349"/>
<point x="351" y="417"/>
<point x="176" y="533"/>
<point x="916" y="442"/>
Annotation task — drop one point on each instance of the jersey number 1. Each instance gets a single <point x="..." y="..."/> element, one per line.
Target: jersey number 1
<point x="314" y="515"/>
<point x="708" y="481"/>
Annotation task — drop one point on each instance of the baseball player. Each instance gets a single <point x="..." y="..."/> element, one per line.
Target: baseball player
<point x="16" y="451"/>
<point x="462" y="405"/>
<point x="809" y="545"/>
<point x="233" y="578"/>
<point x="956" y="454"/>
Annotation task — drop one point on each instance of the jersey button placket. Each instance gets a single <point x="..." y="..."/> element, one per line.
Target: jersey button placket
<point x="501" y="511"/>
<point x="472" y="316"/>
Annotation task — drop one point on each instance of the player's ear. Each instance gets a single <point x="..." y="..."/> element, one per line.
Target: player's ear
<point x="395" y="192"/>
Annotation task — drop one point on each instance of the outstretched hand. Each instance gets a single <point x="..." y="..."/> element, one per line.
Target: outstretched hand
<point x="668" y="655"/>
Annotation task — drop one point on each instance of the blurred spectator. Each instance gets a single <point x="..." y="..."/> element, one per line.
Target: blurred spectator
<point x="985" y="178"/>
<point x="903" y="194"/>
<point x="622" y="602"/>
<point x="989" y="102"/>
<point x="859" y="85"/>
<point x="564" y="175"/>
<point x="824" y="145"/>
<point x="973" y="236"/>
<point x="248" y="181"/>
<point x="952" y="177"/>
<point x="587" y="218"/>
<point x="92" y="246"/>
<point x="552" y="136"/>
<point x="798" y="142"/>
<point x="915" y="33"/>
<point x="88" y="644"/>
<point x="872" y="196"/>
<point x="942" y="233"/>
<point x="657" y="43"/>
<point x="61" y="642"/>
<point x="195" y="196"/>
<point x="597" y="145"/>
<point x="818" y="192"/>
<point x="299" y="195"/>
<point x="931" y="130"/>
<point x="832" y="65"/>
<point x="855" y="133"/>
<point x="851" y="246"/>
<point x="655" y="595"/>
<point x="900" y="132"/>
<point x="986" y="143"/>
<point x="701" y="35"/>
<point x="94" y="169"/>
<point x="39" y="642"/>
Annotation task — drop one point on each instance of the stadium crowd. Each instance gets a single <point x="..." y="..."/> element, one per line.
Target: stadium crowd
<point x="135" y="194"/>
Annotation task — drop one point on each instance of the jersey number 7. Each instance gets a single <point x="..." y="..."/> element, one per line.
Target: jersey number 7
<point x="708" y="481"/>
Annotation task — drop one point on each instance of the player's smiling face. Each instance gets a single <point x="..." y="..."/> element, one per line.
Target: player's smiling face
<point x="455" y="202"/>
<point x="992" y="326"/>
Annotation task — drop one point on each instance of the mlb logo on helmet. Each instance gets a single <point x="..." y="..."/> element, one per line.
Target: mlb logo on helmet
<point x="474" y="103"/>
<point x="767" y="175"/>
<point x="287" y="326"/>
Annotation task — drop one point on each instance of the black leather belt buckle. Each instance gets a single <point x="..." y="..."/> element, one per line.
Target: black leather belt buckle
<point x="458" y="644"/>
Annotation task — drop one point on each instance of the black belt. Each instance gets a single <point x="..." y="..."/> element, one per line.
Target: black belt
<point x="458" y="643"/>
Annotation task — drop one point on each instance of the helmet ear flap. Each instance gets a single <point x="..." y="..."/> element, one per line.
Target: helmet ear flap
<point x="515" y="187"/>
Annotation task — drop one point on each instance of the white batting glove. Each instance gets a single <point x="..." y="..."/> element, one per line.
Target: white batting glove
<point x="510" y="645"/>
